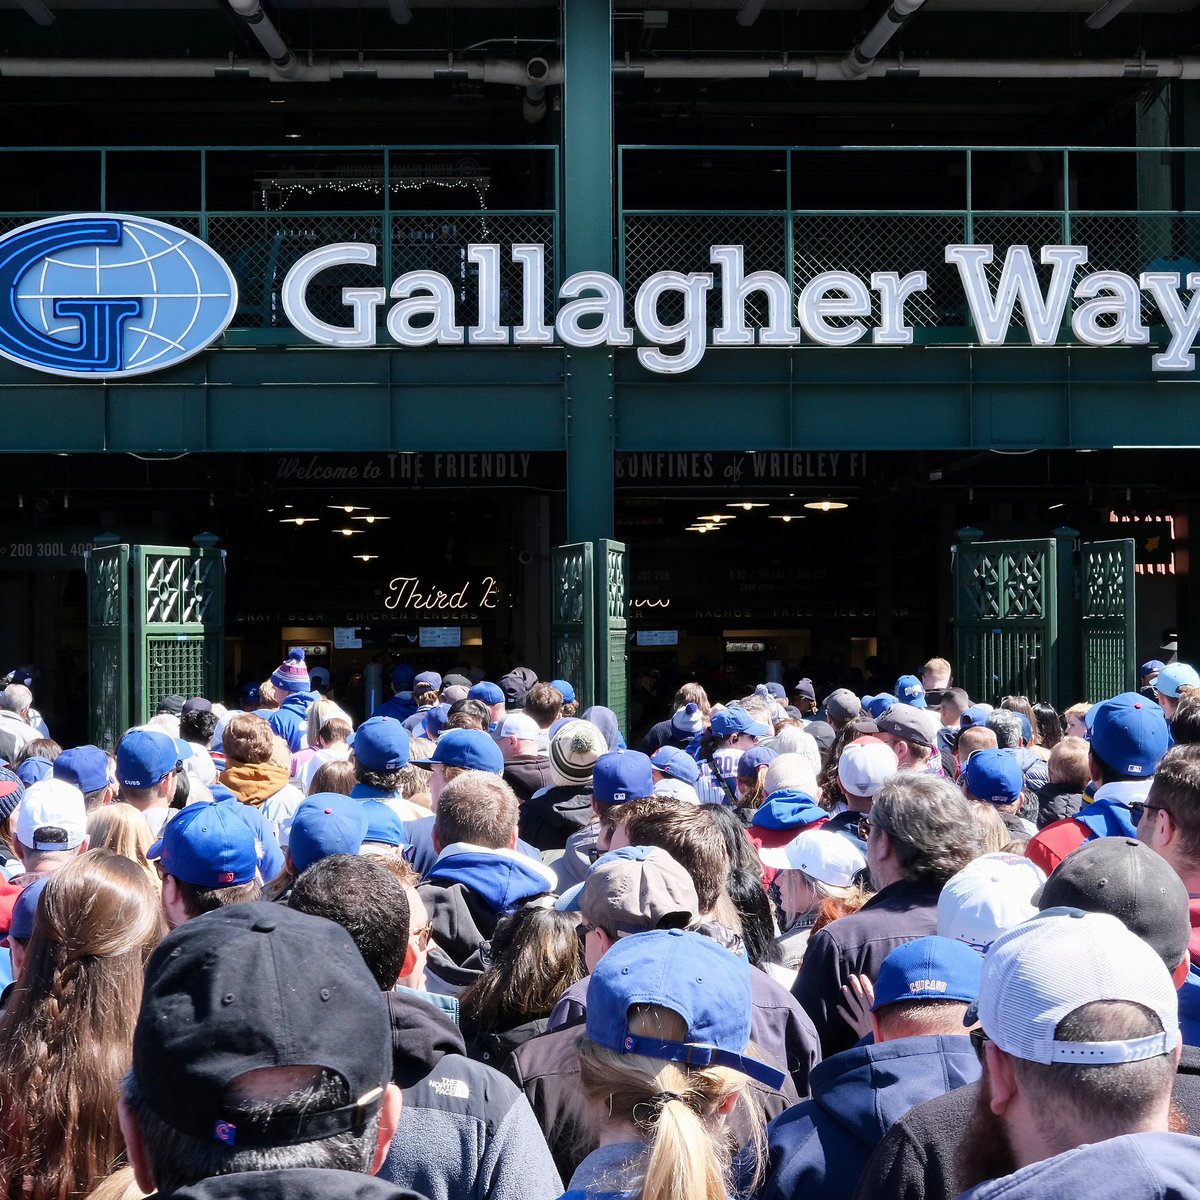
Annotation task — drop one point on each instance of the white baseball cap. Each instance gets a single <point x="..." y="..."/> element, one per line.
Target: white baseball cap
<point x="519" y="725"/>
<point x="676" y="789"/>
<point x="827" y="857"/>
<point x="52" y="804"/>
<point x="1055" y="963"/>
<point x="865" y="767"/>
<point x="989" y="896"/>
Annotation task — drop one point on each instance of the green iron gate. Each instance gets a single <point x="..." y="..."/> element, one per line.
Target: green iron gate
<point x="612" y="635"/>
<point x="156" y="627"/>
<point x="571" y="615"/>
<point x="1108" y="613"/>
<point x="1006" y="619"/>
<point x="107" y="569"/>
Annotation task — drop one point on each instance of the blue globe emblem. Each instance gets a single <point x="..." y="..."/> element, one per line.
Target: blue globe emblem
<point x="104" y="295"/>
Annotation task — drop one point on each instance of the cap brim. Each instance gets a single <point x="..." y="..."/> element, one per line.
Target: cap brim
<point x="426" y="764"/>
<point x="570" y="900"/>
<point x="155" y="851"/>
<point x="775" y="857"/>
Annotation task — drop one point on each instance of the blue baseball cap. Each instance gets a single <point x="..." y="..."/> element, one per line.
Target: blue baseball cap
<point x="876" y="706"/>
<point x="929" y="968"/>
<point x="24" y="912"/>
<point x="208" y="846"/>
<point x="1174" y="676"/>
<point x="735" y="719"/>
<point x="84" y="766"/>
<point x="993" y="776"/>
<point x="975" y="715"/>
<point x="402" y="677"/>
<point x="383" y="824"/>
<point x="676" y="763"/>
<point x="1148" y="668"/>
<point x="775" y="689"/>
<point x="435" y="720"/>
<point x="428" y="679"/>
<point x="382" y="744"/>
<point x="488" y="693"/>
<point x="622" y="775"/>
<point x="34" y="769"/>
<point x="146" y="757"/>
<point x="326" y="823"/>
<point x="471" y="749"/>
<point x="755" y="757"/>
<point x="909" y="690"/>
<point x="565" y="688"/>
<point x="1129" y="738"/>
<point x="692" y="976"/>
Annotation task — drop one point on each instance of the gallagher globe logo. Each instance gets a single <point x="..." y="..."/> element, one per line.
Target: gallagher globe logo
<point x="106" y="296"/>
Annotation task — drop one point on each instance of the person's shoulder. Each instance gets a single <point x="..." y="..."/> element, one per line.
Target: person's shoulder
<point x="307" y="1183"/>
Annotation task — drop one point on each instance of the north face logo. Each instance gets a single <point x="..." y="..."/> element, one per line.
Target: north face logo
<point x="452" y="1087"/>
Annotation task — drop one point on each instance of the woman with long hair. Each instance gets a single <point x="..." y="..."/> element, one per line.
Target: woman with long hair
<point x="535" y="956"/>
<point x="660" y="1122"/>
<point x="123" y="830"/>
<point x="67" y="1031"/>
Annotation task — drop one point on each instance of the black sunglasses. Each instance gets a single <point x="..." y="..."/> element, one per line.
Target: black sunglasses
<point x="979" y="1039"/>
<point x="1138" y="809"/>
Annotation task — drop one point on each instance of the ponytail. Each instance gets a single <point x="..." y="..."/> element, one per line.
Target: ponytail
<point x="686" y="1160"/>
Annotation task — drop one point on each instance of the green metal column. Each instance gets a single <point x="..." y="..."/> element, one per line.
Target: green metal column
<point x="587" y="166"/>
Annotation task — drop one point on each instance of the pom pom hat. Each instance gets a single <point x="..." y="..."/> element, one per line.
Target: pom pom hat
<point x="292" y="674"/>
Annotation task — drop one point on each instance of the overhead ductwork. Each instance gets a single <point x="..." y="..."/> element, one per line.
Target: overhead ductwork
<point x="269" y="38"/>
<point x="898" y="14"/>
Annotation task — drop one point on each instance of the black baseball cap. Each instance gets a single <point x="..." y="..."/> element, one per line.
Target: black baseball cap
<point x="252" y="986"/>
<point x="1126" y="879"/>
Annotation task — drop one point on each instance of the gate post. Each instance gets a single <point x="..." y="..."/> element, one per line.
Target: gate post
<point x="1065" y="684"/>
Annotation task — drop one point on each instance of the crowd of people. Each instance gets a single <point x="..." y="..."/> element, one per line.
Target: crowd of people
<point x="790" y="947"/>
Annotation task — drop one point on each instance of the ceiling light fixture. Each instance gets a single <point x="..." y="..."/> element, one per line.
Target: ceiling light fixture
<point x="366" y="557"/>
<point x="786" y="517"/>
<point x="747" y="505"/>
<point x="370" y="520"/>
<point x="347" y="508"/>
<point x="348" y="532"/>
<point x="297" y="520"/>
<point x="826" y="505"/>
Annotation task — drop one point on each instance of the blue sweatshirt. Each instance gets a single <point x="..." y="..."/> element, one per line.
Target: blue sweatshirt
<point x="818" y="1149"/>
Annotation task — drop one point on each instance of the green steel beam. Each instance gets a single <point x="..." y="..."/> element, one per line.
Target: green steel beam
<point x="587" y="201"/>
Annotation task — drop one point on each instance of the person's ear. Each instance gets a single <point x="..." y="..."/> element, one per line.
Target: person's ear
<point x="876" y="1033"/>
<point x="83" y="846"/>
<point x="726" y="1105"/>
<point x="410" y="960"/>
<point x="1002" y="1079"/>
<point x="135" y="1147"/>
<point x="389" y="1122"/>
<point x="435" y="837"/>
<point x="1180" y="974"/>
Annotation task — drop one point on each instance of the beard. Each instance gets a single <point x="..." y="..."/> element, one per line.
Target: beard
<point x="985" y="1151"/>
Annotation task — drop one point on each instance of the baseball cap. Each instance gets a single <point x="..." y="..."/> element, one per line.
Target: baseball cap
<point x="622" y="775"/>
<point x="427" y="679"/>
<point x="52" y="804"/>
<point x="170" y="704"/>
<point x="84" y="766"/>
<point x="804" y="687"/>
<point x="865" y="766"/>
<point x="488" y="693"/>
<point x="1148" y="668"/>
<point x="35" y="767"/>
<point x="993" y="776"/>
<point x="1055" y="963"/>
<point x="454" y="693"/>
<point x="977" y="714"/>
<point x="928" y="968"/>
<point x="213" y="1008"/>
<point x="876" y="706"/>
<point x="842" y="705"/>
<point x="196" y="704"/>
<point x="676" y="764"/>
<point x="24" y="912"/>
<point x="519" y="725"/>
<point x="911" y="724"/>
<point x="207" y="845"/>
<point x="402" y="677"/>
<point x="384" y="827"/>
<point x="1127" y="880"/>
<point x="910" y="690"/>
<point x="991" y="894"/>
<point x="515" y="686"/>
<point x="382" y="744"/>
<point x="471" y="749"/>
<point x="145" y="757"/>
<point x="676" y="789"/>
<point x="735" y="719"/>
<point x="563" y="687"/>
<point x="435" y="721"/>
<point x="1174" y="676"/>
<point x="1129" y="736"/>
<point x="692" y="976"/>
<point x="755" y="757"/>
<point x="324" y="824"/>
<point x="454" y="679"/>
<point x="823" y="856"/>
<point x="574" y="749"/>
<point x="775" y="689"/>
<point x="632" y="890"/>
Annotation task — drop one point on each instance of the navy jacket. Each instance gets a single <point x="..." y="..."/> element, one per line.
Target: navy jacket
<point x="1138" y="1166"/>
<point x="817" y="1150"/>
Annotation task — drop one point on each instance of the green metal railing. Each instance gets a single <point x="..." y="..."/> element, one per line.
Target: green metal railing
<point x="799" y="241"/>
<point x="367" y="193"/>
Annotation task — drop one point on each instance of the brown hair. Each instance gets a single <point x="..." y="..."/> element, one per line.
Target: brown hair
<point x="694" y="840"/>
<point x="476" y="807"/>
<point x="248" y="739"/>
<point x="1176" y="790"/>
<point x="66" y="1035"/>
<point x="536" y="956"/>
<point x="1069" y="763"/>
<point x="336" y="729"/>
<point x="122" y="829"/>
<point x="197" y="900"/>
<point x="544" y="704"/>
<point x="1021" y="704"/>
<point x="46" y="748"/>
<point x="691" y="693"/>
<point x="334" y="776"/>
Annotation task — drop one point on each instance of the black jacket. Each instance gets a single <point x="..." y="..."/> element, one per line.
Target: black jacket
<point x="526" y="774"/>
<point x="549" y="817"/>
<point x="1056" y="802"/>
<point x="857" y="945"/>
<point x="303" y="1184"/>
<point x="915" y="1161"/>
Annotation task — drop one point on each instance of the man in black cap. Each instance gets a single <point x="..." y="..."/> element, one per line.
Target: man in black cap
<point x="261" y="1055"/>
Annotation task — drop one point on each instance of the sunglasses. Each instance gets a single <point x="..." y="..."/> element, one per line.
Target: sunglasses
<point x="979" y="1039"/>
<point x="1139" y="809"/>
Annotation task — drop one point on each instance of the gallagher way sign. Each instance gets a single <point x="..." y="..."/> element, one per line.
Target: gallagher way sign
<point x="106" y="296"/>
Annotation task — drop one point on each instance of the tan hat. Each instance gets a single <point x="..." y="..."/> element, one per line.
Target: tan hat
<point x="634" y="889"/>
<point x="573" y="753"/>
<point x="917" y="725"/>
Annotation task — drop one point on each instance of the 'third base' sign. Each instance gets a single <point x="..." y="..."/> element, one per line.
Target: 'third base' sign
<point x="829" y="310"/>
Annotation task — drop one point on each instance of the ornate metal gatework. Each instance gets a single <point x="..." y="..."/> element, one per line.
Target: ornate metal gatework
<point x="108" y="643"/>
<point x="1109" y="648"/>
<point x="572" y="620"/>
<point x="612" y="649"/>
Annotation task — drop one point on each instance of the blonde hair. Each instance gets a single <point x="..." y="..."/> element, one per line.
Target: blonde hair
<point x="992" y="829"/>
<point x="320" y="711"/>
<point x="674" y="1108"/>
<point x="122" y="829"/>
<point x="120" y="1185"/>
<point x="1078" y="711"/>
<point x="1069" y="762"/>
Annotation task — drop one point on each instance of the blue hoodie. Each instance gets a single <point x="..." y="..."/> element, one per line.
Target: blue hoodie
<point x="503" y="878"/>
<point x="1137" y="1166"/>
<point x="290" y="719"/>
<point x="818" y="1149"/>
<point x="1189" y="1007"/>
<point x="788" y="808"/>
